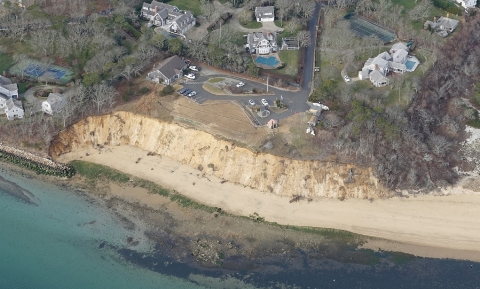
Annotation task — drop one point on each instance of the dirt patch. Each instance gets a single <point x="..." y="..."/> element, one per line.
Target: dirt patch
<point x="224" y="118"/>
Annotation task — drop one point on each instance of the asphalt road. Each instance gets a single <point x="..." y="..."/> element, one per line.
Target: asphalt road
<point x="296" y="101"/>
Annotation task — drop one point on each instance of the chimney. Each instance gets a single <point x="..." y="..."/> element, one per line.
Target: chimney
<point x="434" y="19"/>
<point x="376" y="67"/>
<point x="448" y="15"/>
<point x="268" y="34"/>
<point x="156" y="9"/>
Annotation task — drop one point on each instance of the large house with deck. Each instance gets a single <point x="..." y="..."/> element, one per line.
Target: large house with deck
<point x="168" y="17"/>
<point x="262" y="42"/>
<point x="395" y="60"/>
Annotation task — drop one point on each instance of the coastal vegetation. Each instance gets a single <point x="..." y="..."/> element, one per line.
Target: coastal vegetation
<point x="408" y="131"/>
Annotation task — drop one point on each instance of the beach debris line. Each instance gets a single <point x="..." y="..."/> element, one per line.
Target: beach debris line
<point x="35" y="163"/>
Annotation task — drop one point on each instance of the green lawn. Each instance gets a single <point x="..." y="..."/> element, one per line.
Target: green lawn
<point x="6" y="61"/>
<point x="252" y="24"/>
<point x="290" y="58"/>
<point x="190" y="5"/>
<point x="284" y="34"/>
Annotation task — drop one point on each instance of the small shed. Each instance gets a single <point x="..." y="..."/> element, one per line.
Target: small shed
<point x="273" y="123"/>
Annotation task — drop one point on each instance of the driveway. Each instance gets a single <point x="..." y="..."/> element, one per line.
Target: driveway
<point x="295" y="100"/>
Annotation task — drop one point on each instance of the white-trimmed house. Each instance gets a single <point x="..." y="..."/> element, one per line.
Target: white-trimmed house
<point x="14" y="109"/>
<point x="265" y="14"/>
<point x="262" y="43"/>
<point x="168" y="17"/>
<point x="467" y="3"/>
<point x="54" y="103"/>
<point x="168" y="70"/>
<point x="8" y="88"/>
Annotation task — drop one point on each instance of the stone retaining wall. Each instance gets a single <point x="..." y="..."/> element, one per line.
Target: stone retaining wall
<point x="36" y="163"/>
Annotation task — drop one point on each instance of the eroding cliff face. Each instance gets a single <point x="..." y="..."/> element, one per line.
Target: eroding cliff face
<point x="223" y="159"/>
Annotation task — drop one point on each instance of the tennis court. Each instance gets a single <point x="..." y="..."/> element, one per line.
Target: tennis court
<point x="363" y="28"/>
<point x="36" y="69"/>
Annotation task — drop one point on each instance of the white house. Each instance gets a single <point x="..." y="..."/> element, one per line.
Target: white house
<point x="168" y="17"/>
<point x="467" y="3"/>
<point x="265" y="14"/>
<point x="14" y="109"/>
<point x="396" y="60"/>
<point x="262" y="43"/>
<point x="168" y="70"/>
<point x="53" y="104"/>
<point x="8" y="88"/>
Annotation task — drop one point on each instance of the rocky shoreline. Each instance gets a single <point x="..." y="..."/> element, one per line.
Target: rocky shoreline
<point x="36" y="163"/>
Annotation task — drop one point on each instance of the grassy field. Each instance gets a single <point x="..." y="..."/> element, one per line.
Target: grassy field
<point x="290" y="58"/>
<point x="190" y="5"/>
<point x="215" y="80"/>
<point x="6" y="62"/>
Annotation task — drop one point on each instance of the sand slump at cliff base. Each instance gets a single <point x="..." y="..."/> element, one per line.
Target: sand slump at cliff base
<point x="223" y="159"/>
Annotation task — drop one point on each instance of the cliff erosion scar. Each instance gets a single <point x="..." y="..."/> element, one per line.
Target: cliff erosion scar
<point x="223" y="159"/>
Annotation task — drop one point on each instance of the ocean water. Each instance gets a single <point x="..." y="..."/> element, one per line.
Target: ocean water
<point x="68" y="241"/>
<point x="56" y="244"/>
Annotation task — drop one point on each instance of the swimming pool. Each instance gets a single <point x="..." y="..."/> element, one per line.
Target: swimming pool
<point x="270" y="61"/>
<point x="409" y="64"/>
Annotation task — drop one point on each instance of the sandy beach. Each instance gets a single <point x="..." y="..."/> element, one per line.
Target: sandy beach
<point x="445" y="226"/>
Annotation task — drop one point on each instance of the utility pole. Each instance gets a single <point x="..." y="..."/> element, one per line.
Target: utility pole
<point x="267" y="83"/>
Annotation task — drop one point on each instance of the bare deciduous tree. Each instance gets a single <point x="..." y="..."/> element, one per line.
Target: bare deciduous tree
<point x="304" y="38"/>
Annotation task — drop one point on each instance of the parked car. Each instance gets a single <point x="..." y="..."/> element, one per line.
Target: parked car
<point x="264" y="102"/>
<point x="251" y="102"/>
<point x="187" y="92"/>
<point x="193" y="68"/>
<point x="181" y="91"/>
<point x="193" y="93"/>
<point x="190" y="76"/>
<point x="347" y="79"/>
<point x="240" y="84"/>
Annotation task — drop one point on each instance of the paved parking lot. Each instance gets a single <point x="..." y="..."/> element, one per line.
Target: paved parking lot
<point x="296" y="101"/>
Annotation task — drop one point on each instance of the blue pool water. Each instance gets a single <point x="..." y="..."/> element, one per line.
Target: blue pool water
<point x="270" y="61"/>
<point x="409" y="64"/>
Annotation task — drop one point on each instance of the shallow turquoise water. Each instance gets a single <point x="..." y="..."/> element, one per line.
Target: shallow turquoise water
<point x="56" y="244"/>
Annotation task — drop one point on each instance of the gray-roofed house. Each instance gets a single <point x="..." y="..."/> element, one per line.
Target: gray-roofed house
<point x="265" y="14"/>
<point x="443" y="26"/>
<point x="168" y="70"/>
<point x="262" y="43"/>
<point x="378" y="79"/>
<point x="168" y="17"/>
<point x="54" y="103"/>
<point x="398" y="46"/>
<point x="14" y="109"/>
<point x="8" y="88"/>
